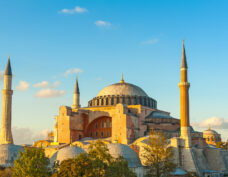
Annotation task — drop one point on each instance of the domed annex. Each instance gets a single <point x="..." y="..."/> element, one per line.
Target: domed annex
<point x="124" y="93"/>
<point x="211" y="136"/>
<point x="9" y="153"/>
<point x="68" y="152"/>
<point x="116" y="150"/>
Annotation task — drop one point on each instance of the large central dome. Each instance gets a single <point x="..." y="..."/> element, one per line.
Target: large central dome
<point x="124" y="93"/>
<point x="122" y="89"/>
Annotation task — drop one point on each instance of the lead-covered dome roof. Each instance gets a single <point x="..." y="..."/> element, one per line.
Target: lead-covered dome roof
<point x="122" y="89"/>
<point x="9" y="153"/>
<point x="116" y="150"/>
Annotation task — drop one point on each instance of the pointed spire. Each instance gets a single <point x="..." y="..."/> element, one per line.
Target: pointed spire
<point x="122" y="80"/>
<point x="76" y="89"/>
<point x="8" y="70"/>
<point x="183" y="59"/>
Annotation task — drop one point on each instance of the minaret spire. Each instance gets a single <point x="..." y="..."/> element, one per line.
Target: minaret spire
<point x="184" y="101"/>
<point x="76" y="101"/>
<point x="183" y="59"/>
<point x="6" y="133"/>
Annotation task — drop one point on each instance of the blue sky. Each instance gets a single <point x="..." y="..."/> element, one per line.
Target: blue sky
<point x="102" y="39"/>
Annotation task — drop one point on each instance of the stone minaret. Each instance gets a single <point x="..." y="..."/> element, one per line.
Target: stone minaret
<point x="184" y="101"/>
<point x="6" y="134"/>
<point x="76" y="102"/>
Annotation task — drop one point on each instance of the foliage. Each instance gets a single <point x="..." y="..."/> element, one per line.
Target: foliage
<point x="31" y="163"/>
<point x="6" y="172"/>
<point x="97" y="163"/>
<point x="158" y="155"/>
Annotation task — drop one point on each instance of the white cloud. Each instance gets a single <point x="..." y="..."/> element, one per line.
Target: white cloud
<point x="23" y="86"/>
<point x="24" y="135"/>
<point x="77" y="9"/>
<point x="49" y="93"/>
<point x="74" y="70"/>
<point x="213" y="122"/>
<point x="45" y="84"/>
<point x="102" y="23"/>
<point x="151" y="41"/>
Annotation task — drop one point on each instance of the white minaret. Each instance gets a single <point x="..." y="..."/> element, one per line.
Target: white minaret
<point x="76" y="101"/>
<point x="6" y="134"/>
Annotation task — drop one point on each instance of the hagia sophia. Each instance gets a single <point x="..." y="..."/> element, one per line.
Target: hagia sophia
<point x="122" y="115"/>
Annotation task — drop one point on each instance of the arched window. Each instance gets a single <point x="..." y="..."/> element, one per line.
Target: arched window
<point x="97" y="102"/>
<point x="102" y="134"/>
<point x="107" y="101"/>
<point x="123" y="100"/>
<point x="102" y="101"/>
<point x="118" y="100"/>
<point x="112" y="101"/>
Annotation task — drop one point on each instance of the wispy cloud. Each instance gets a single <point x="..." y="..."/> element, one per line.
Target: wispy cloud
<point x="49" y="93"/>
<point x="214" y="122"/>
<point x="23" y="86"/>
<point x="77" y="9"/>
<point x="102" y="23"/>
<point x="24" y="135"/>
<point x="45" y="84"/>
<point x="151" y="41"/>
<point x="72" y="71"/>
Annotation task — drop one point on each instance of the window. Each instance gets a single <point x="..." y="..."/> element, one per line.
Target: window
<point x="107" y="101"/>
<point x="102" y="134"/>
<point x="102" y="101"/>
<point x="80" y="137"/>
<point x="97" y="102"/>
<point x="112" y="101"/>
<point x="96" y="126"/>
<point x="91" y="134"/>
<point x="96" y="134"/>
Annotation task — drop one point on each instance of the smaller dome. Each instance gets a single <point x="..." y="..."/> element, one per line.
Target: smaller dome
<point x="68" y="152"/>
<point x="9" y="153"/>
<point x="126" y="152"/>
<point x="210" y="132"/>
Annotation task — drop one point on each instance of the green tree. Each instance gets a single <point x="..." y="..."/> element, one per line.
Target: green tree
<point x="31" y="163"/>
<point x="97" y="163"/>
<point x="158" y="155"/>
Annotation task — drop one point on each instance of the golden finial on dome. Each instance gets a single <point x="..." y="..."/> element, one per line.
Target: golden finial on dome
<point x="122" y="80"/>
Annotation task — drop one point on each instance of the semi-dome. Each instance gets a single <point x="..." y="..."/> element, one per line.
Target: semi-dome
<point x="9" y="153"/>
<point x="124" y="93"/>
<point x="68" y="152"/>
<point x="122" y="89"/>
<point x="116" y="150"/>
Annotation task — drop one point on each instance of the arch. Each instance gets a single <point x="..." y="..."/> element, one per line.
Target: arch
<point x="100" y="127"/>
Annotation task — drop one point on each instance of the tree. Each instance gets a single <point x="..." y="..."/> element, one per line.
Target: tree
<point x="97" y="163"/>
<point x="119" y="168"/>
<point x="158" y="155"/>
<point x="31" y="163"/>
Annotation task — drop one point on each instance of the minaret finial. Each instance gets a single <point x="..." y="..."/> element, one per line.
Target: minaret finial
<point x="183" y="60"/>
<point x="122" y="80"/>
<point x="76" y="89"/>
<point x="8" y="70"/>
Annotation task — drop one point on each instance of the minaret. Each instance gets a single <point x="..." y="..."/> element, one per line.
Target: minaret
<point x="76" y="102"/>
<point x="6" y="134"/>
<point x="184" y="101"/>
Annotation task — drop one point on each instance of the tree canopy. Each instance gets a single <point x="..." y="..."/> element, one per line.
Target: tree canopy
<point x="31" y="163"/>
<point x="158" y="155"/>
